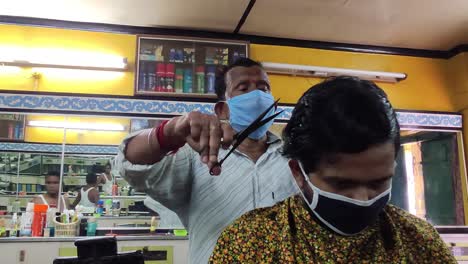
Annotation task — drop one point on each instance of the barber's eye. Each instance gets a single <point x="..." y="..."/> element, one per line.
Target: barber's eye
<point x="262" y="87"/>
<point x="242" y="87"/>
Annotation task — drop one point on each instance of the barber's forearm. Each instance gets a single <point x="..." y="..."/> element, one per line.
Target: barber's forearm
<point x="145" y="148"/>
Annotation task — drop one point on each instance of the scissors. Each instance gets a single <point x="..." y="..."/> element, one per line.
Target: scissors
<point x="241" y="136"/>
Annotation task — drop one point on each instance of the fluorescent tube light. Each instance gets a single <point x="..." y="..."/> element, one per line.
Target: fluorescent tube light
<point x="76" y="125"/>
<point x="325" y="72"/>
<point x="61" y="58"/>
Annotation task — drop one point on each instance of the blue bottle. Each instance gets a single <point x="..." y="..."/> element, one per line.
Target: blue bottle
<point x="210" y="79"/>
<point x="187" y="81"/>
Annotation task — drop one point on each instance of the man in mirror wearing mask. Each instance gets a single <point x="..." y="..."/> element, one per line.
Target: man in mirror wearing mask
<point x="172" y="162"/>
<point x="342" y="141"/>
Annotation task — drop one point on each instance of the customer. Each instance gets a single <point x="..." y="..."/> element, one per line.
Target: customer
<point x="51" y="197"/>
<point x="89" y="194"/>
<point x="342" y="141"/>
<point x="171" y="163"/>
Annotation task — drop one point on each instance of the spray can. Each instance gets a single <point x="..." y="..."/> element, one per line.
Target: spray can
<point x="179" y="80"/>
<point x="187" y="81"/>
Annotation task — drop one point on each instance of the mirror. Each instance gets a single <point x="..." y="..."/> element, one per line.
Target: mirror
<point x="427" y="181"/>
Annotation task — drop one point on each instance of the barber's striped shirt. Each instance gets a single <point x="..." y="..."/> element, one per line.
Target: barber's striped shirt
<point x="207" y="204"/>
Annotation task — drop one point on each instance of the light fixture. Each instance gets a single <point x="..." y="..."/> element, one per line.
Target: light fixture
<point x="61" y="58"/>
<point x="76" y="125"/>
<point x="324" y="72"/>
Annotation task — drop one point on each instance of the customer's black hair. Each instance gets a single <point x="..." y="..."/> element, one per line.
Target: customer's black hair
<point x="220" y="81"/>
<point x="91" y="178"/>
<point x="340" y="115"/>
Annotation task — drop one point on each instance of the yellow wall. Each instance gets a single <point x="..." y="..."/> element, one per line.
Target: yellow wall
<point x="55" y="135"/>
<point x="70" y="81"/>
<point x="425" y="88"/>
<point x="425" y="76"/>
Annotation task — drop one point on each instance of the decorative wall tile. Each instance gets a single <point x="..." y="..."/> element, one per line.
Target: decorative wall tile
<point x="57" y="148"/>
<point x="161" y="107"/>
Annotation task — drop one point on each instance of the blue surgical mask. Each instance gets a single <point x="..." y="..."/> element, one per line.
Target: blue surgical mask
<point x="244" y="109"/>
<point x="342" y="214"/>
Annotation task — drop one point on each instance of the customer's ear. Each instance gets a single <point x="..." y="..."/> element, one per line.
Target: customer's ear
<point x="297" y="173"/>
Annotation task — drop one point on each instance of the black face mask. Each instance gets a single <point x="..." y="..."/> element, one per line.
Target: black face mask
<point x="344" y="215"/>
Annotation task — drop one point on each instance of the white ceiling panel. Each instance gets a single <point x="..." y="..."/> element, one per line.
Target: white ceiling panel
<point x="423" y="24"/>
<point x="419" y="24"/>
<point x="217" y="15"/>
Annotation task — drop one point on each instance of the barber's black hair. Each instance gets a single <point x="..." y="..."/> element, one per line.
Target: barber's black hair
<point x="220" y="81"/>
<point x="91" y="178"/>
<point x="340" y="115"/>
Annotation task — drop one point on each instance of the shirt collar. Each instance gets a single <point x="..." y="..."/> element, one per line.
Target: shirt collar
<point x="273" y="141"/>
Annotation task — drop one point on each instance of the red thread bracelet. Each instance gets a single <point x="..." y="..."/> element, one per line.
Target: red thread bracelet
<point x="160" y="137"/>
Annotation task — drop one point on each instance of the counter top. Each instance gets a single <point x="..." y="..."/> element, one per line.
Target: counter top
<point x="72" y="239"/>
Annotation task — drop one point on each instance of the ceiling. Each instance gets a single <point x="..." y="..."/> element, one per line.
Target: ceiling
<point x="419" y="24"/>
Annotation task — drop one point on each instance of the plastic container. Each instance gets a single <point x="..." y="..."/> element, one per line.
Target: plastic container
<point x="100" y="207"/>
<point x="115" y="207"/>
<point x="39" y="220"/>
<point x="83" y="227"/>
<point x="200" y="73"/>
<point x="187" y="81"/>
<point x="26" y="220"/>
<point x="108" y="207"/>
<point x="92" y="225"/>
<point x="14" y="225"/>
<point x="115" y="190"/>
<point x="180" y="232"/>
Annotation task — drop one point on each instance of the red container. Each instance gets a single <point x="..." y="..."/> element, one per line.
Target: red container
<point x="39" y="220"/>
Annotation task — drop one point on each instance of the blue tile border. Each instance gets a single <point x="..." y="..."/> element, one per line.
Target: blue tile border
<point x="57" y="148"/>
<point x="139" y="107"/>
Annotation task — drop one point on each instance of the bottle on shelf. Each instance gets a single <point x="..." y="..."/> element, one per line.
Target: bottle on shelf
<point x="179" y="56"/>
<point x="170" y="68"/>
<point x="143" y="77"/>
<point x="172" y="55"/>
<point x="100" y="207"/>
<point x="179" y="80"/>
<point x="160" y="85"/>
<point x="26" y="220"/>
<point x="200" y="73"/>
<point x="210" y="79"/>
<point x="14" y="225"/>
<point x="39" y="220"/>
<point x="187" y="81"/>
<point x="11" y="130"/>
<point x="151" y="75"/>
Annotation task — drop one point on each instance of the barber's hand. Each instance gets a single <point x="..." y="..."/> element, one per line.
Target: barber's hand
<point x="205" y="134"/>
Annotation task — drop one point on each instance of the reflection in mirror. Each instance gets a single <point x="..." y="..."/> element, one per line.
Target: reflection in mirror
<point x="89" y="146"/>
<point x="430" y="164"/>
